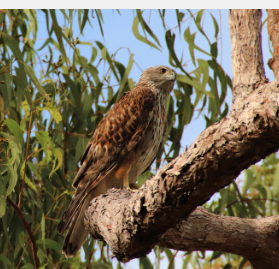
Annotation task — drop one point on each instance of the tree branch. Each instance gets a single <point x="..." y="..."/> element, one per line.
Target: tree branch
<point x="251" y="238"/>
<point x="27" y="227"/>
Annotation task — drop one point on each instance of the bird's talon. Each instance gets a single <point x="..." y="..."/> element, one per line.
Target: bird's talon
<point x="129" y="189"/>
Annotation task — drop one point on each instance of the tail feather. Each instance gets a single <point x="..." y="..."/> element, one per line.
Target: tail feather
<point x="73" y="220"/>
<point x="74" y="207"/>
<point x="73" y="217"/>
<point x="76" y="234"/>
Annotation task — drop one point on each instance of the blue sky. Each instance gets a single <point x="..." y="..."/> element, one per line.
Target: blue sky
<point x="118" y="34"/>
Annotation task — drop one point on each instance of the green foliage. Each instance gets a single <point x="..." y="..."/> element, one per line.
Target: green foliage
<point x="49" y="111"/>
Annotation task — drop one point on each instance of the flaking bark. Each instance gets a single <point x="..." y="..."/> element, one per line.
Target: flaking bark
<point x="251" y="238"/>
<point x="133" y="223"/>
<point x="273" y="31"/>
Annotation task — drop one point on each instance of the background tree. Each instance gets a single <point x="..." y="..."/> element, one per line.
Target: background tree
<point x="40" y="153"/>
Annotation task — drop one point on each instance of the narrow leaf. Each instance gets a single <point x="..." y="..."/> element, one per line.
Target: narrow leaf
<point x="15" y="129"/>
<point x="146" y="27"/>
<point x="194" y="83"/>
<point x="2" y="197"/>
<point x="13" y="45"/>
<point x="216" y="27"/>
<point x="139" y="36"/>
<point x="49" y="243"/>
<point x="59" y="34"/>
<point x="125" y="77"/>
<point x="170" y="38"/>
<point x="4" y="259"/>
<point x="144" y="263"/>
<point x="30" y="72"/>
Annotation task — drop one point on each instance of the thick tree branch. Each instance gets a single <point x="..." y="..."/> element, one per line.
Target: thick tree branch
<point x="273" y="31"/>
<point x="250" y="238"/>
<point x="213" y="161"/>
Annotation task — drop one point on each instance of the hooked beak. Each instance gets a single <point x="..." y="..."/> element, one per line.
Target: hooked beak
<point x="173" y="76"/>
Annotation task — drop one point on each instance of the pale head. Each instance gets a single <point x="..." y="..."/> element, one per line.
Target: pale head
<point x="161" y="77"/>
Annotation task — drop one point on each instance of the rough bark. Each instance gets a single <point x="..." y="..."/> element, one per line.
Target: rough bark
<point x="250" y="133"/>
<point x="273" y="31"/>
<point x="247" y="60"/>
<point x="250" y="238"/>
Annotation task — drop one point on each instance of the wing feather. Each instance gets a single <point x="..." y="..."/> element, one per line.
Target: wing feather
<point x="117" y="133"/>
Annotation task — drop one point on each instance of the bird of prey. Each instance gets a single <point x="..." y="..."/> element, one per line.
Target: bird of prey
<point x="122" y="147"/>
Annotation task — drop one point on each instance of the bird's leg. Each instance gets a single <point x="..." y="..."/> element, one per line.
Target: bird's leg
<point x="126" y="184"/>
<point x="123" y="169"/>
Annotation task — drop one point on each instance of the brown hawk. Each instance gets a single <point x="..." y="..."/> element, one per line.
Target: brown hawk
<point x="123" y="146"/>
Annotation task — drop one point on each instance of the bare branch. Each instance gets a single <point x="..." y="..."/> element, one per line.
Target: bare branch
<point x="251" y="238"/>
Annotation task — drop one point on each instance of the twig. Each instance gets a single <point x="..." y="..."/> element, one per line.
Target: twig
<point x="33" y="153"/>
<point x="4" y="71"/>
<point x="172" y="259"/>
<point x="106" y="73"/>
<point x="26" y="157"/>
<point x="98" y="63"/>
<point x="184" y="20"/>
<point x="26" y="245"/>
<point x="65" y="155"/>
<point x="27" y="227"/>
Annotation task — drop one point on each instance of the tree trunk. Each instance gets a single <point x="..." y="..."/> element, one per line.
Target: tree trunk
<point x="163" y="211"/>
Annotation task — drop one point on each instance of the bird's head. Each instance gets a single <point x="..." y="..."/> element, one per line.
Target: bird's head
<point x="162" y="77"/>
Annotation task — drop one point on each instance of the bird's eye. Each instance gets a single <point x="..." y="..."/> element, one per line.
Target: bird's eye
<point x="163" y="71"/>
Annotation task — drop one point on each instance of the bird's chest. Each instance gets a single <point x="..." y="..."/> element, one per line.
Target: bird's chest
<point x="150" y="143"/>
